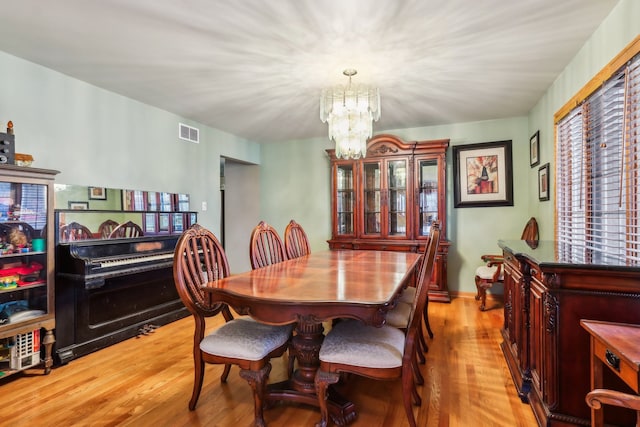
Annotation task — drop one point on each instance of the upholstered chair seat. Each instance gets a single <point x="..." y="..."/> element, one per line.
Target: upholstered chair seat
<point x="244" y="338"/>
<point x="352" y="343"/>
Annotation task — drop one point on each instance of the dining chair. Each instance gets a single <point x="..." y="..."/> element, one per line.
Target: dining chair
<point x="385" y="353"/>
<point x="126" y="229"/>
<point x="266" y="246"/>
<point x="74" y="231"/>
<point x="400" y="315"/>
<point x="491" y="272"/>
<point x="296" y="242"/>
<point x="198" y="259"/>
<point x="599" y="397"/>
<point x="105" y="229"/>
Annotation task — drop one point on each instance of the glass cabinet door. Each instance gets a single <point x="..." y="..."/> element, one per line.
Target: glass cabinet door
<point x="397" y="190"/>
<point x="344" y="199"/>
<point x="23" y="257"/>
<point x="428" y="195"/>
<point x="372" y="204"/>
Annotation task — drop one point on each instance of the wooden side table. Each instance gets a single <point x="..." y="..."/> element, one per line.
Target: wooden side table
<point x="616" y="346"/>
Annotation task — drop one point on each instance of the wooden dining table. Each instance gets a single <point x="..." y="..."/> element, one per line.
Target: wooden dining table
<point x="311" y="290"/>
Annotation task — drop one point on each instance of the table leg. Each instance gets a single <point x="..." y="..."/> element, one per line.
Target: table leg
<point x="301" y="387"/>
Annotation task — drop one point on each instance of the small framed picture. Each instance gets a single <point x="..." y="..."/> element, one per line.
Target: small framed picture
<point x="543" y="182"/>
<point x="534" y="149"/>
<point x="97" y="193"/>
<point x="79" y="206"/>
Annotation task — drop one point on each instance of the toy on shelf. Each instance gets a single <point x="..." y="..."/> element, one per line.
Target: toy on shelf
<point x="14" y="275"/>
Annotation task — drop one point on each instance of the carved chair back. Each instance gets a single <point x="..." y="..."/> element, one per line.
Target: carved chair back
<point x="266" y="246"/>
<point x="106" y="228"/>
<point x="296" y="243"/>
<point x="127" y="229"/>
<point x="74" y="231"/>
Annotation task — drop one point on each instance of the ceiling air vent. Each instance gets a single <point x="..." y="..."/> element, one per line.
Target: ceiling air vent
<point x="188" y="133"/>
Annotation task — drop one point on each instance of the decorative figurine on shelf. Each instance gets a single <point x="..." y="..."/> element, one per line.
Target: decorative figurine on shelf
<point x="14" y="213"/>
<point x="17" y="239"/>
<point x="10" y="127"/>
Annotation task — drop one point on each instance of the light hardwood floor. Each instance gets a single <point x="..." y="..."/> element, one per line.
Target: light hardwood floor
<point x="147" y="382"/>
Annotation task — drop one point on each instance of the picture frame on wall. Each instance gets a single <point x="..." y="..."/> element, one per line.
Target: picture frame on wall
<point x="97" y="193"/>
<point x="483" y="174"/>
<point x="543" y="182"/>
<point x="79" y="206"/>
<point x="534" y="149"/>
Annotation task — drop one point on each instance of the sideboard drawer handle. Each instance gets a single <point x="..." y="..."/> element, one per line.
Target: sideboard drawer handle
<point x="612" y="360"/>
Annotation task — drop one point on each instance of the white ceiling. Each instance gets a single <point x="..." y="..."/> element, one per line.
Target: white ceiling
<point x="256" y="68"/>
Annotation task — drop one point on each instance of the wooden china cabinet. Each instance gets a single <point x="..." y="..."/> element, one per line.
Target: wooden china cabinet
<point x="389" y="199"/>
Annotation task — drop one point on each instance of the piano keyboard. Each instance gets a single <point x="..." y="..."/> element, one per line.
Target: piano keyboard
<point x="134" y="260"/>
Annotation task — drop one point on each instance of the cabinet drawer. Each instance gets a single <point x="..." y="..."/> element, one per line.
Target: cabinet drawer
<point x="625" y="369"/>
<point x="340" y="245"/>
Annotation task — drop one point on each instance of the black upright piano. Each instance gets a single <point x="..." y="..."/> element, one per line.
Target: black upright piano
<point x="111" y="290"/>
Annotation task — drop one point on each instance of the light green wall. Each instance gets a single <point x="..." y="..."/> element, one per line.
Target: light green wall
<point x="99" y="138"/>
<point x="295" y="184"/>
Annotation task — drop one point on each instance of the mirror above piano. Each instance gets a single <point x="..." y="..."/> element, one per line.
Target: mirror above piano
<point x="92" y="213"/>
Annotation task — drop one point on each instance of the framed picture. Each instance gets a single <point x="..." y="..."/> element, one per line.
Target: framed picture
<point x="79" y="206"/>
<point x="483" y="175"/>
<point x="534" y="149"/>
<point x="97" y="193"/>
<point x="543" y="182"/>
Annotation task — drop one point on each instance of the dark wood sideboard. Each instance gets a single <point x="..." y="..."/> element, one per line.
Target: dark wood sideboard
<point x="544" y="345"/>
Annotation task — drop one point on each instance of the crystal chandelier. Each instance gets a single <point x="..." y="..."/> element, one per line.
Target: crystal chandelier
<point x="350" y="112"/>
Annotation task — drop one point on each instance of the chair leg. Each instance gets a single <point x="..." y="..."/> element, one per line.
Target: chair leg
<point x="408" y="390"/>
<point x="198" y="369"/>
<point x="258" y="382"/>
<point x="225" y="373"/>
<point x="323" y="379"/>
<point x="425" y="318"/>
<point x="478" y="289"/>
<point x="417" y="400"/>
<point x="421" y="349"/>
<point x="416" y="370"/>
<point x="482" y="292"/>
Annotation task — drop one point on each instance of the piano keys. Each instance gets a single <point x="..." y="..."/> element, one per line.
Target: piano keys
<point x="110" y="290"/>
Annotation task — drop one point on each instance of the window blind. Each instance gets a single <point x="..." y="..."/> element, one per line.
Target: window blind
<point x="34" y="205"/>
<point x="597" y="173"/>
